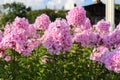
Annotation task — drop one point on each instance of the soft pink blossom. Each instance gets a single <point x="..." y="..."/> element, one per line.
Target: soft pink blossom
<point x="113" y="38"/>
<point x="18" y="34"/>
<point x="87" y="25"/>
<point x="7" y="58"/>
<point x="86" y="37"/>
<point x="98" y="53"/>
<point x="42" y="22"/>
<point x="76" y="16"/>
<point x="102" y="27"/>
<point x="112" y="60"/>
<point x="57" y="37"/>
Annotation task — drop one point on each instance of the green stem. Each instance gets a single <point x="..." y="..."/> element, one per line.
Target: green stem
<point x="13" y="65"/>
<point x="55" y="67"/>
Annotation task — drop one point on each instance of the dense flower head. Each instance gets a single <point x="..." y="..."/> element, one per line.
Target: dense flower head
<point x="108" y="51"/>
<point x="42" y="22"/>
<point x="83" y="27"/>
<point x="112" y="60"/>
<point x="20" y="23"/>
<point x="32" y="32"/>
<point x="17" y="35"/>
<point x="87" y="24"/>
<point x="76" y="16"/>
<point x="86" y="37"/>
<point x="7" y="30"/>
<point x="102" y="27"/>
<point x="82" y="38"/>
<point x="98" y="53"/>
<point x="57" y="37"/>
<point x="19" y="26"/>
<point x="30" y="45"/>
<point x="13" y="36"/>
<point x="113" y="38"/>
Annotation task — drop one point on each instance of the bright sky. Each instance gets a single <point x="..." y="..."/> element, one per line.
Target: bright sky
<point x="58" y="4"/>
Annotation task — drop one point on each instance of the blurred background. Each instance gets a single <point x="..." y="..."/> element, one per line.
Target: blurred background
<point x="95" y="9"/>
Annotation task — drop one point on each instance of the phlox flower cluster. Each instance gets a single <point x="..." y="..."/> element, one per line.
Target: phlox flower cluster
<point x="102" y="27"/>
<point x="108" y="50"/>
<point x="112" y="60"/>
<point x="85" y="38"/>
<point x="57" y="37"/>
<point x="42" y="22"/>
<point x="76" y="16"/>
<point x="2" y="49"/>
<point x="19" y="36"/>
<point x="105" y="44"/>
<point x="98" y="53"/>
<point x="108" y="54"/>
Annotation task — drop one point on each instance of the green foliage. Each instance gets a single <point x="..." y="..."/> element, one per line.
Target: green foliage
<point x="12" y="10"/>
<point x="32" y="15"/>
<point x="72" y="65"/>
<point x="19" y="9"/>
<point x="53" y="14"/>
<point x="117" y="6"/>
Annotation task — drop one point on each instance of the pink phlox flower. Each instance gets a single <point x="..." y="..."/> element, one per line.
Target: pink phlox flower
<point x="42" y="22"/>
<point x="112" y="60"/>
<point x="98" y="53"/>
<point x="76" y="16"/>
<point x="86" y="37"/>
<point x="102" y="27"/>
<point x="57" y="37"/>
